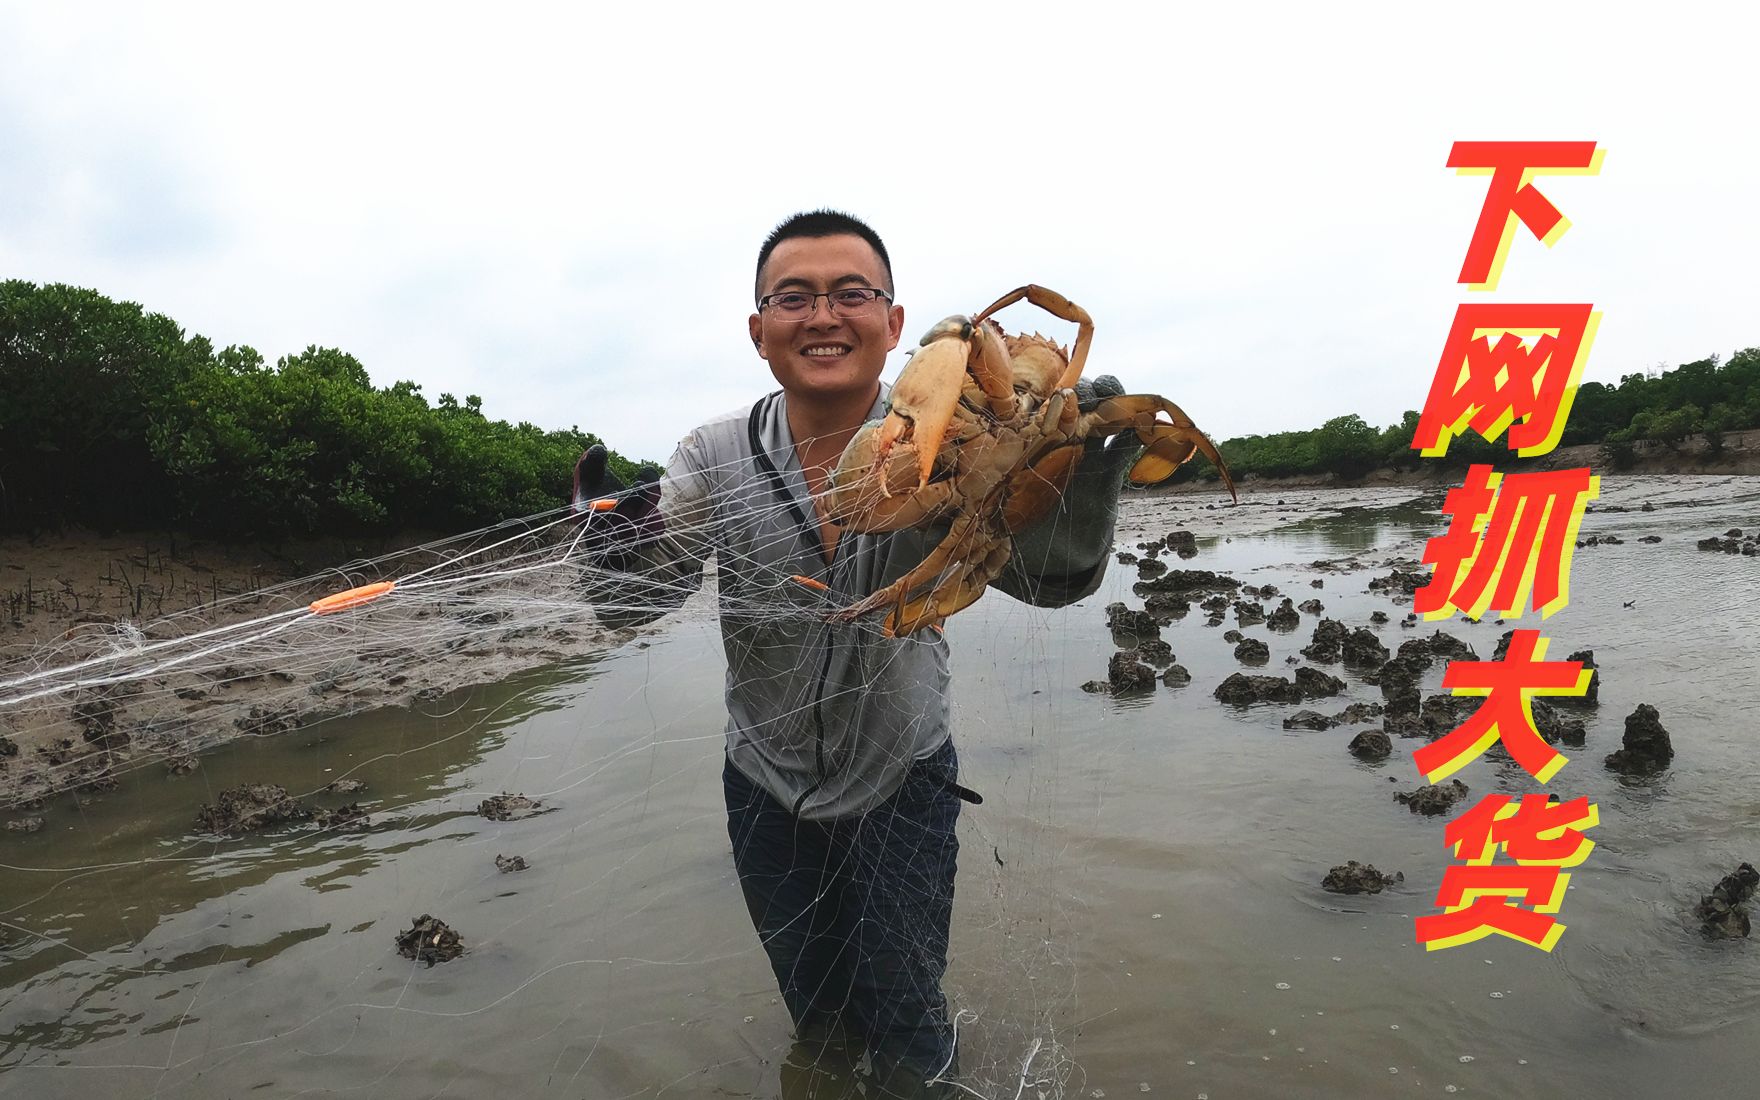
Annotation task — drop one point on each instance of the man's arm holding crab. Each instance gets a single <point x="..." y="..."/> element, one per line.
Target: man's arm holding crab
<point x="1062" y="558"/>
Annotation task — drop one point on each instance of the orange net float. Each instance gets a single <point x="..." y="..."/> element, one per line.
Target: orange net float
<point x="354" y="597"/>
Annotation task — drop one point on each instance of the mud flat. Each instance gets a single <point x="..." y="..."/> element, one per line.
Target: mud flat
<point x="179" y="645"/>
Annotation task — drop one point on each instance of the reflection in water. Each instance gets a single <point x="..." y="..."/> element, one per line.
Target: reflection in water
<point x="1354" y="528"/>
<point x="105" y="873"/>
<point x="1138" y="896"/>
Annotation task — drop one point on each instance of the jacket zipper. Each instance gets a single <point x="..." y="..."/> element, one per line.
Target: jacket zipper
<point x="809" y="535"/>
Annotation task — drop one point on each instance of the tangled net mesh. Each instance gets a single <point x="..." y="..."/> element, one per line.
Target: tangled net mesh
<point x="135" y="940"/>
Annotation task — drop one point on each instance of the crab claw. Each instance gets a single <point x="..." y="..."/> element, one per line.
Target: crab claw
<point x="1167" y="445"/>
<point x="925" y="395"/>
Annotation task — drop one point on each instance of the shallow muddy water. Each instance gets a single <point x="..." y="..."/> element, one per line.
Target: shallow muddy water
<point x="1138" y="904"/>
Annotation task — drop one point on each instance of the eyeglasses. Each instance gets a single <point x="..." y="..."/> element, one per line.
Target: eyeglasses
<point x="798" y="305"/>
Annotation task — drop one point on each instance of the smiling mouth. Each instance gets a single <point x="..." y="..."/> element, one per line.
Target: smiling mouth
<point x="825" y="351"/>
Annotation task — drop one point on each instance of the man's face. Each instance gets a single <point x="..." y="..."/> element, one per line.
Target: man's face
<point x="826" y="355"/>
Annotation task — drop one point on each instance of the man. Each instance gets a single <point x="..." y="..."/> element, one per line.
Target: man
<point x="840" y="776"/>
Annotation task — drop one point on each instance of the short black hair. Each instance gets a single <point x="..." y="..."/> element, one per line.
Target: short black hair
<point x="819" y="223"/>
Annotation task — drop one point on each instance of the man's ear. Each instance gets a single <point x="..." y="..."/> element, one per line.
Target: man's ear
<point x="894" y="326"/>
<point x="754" y="327"/>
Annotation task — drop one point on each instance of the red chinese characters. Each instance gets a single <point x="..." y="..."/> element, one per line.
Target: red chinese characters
<point x="1507" y="363"/>
<point x="1510" y="535"/>
<point x="1513" y="197"/>
<point x="1508" y="687"/>
<point x="1483" y="897"/>
<point x="1508" y="368"/>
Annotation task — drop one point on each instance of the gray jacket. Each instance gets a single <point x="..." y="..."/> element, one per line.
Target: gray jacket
<point x="826" y="717"/>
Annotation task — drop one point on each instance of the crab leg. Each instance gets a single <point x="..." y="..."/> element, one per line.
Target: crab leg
<point x="1036" y="488"/>
<point x="1060" y="307"/>
<point x="951" y="595"/>
<point x="873" y="512"/>
<point x="1168" y="445"/>
<point x="966" y="533"/>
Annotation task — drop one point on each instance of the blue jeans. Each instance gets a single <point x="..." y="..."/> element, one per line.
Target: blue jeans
<point x="854" y="913"/>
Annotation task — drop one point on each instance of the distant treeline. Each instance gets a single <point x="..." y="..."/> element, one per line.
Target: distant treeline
<point x="111" y="417"/>
<point x="1704" y="397"/>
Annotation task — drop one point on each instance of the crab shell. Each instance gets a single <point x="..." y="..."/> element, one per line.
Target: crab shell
<point x="984" y="430"/>
<point x="941" y="425"/>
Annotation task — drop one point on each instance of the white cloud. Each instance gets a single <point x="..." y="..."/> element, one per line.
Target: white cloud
<point x="559" y="212"/>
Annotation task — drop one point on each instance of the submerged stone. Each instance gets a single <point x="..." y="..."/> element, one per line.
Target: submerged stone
<point x="429" y="940"/>
<point x="1359" y="878"/>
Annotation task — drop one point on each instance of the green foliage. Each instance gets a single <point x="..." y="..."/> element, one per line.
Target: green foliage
<point x="1619" y="454"/>
<point x="1705" y="396"/>
<point x="112" y="416"/>
<point x="1347" y="446"/>
<point x="79" y="378"/>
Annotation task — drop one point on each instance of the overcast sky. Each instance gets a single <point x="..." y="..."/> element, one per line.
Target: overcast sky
<point x="560" y="210"/>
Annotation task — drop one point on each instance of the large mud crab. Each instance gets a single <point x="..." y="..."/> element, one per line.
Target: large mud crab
<point x="985" y="428"/>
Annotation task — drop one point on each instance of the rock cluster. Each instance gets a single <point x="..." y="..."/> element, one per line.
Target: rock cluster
<point x="1156" y="652"/>
<point x="1327" y="644"/>
<point x="1166" y="606"/>
<point x="1314" y="720"/>
<point x="1188" y="583"/>
<point x="96" y="711"/>
<point x="1433" y="798"/>
<point x="1361" y="647"/>
<point x="340" y="818"/>
<point x="429" y="940"/>
<point x="1252" y="651"/>
<point x="1733" y="542"/>
<point x="251" y="806"/>
<point x="1371" y="745"/>
<point x="1723" y="913"/>
<point x="265" y="721"/>
<point x="1646" y="747"/>
<point x="506" y="807"/>
<point x="1285" y="618"/>
<point x="1122" y="619"/>
<point x="1591" y="697"/>
<point x="1406" y="578"/>
<point x="1309" y="683"/>
<point x="1358" y="878"/>
<point x="1128" y="674"/>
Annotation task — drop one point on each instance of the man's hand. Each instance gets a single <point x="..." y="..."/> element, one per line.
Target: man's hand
<point x="615" y="517"/>
<point x="1061" y="558"/>
<point x="1104" y="461"/>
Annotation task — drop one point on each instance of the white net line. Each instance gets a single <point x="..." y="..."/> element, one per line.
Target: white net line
<point x="264" y="663"/>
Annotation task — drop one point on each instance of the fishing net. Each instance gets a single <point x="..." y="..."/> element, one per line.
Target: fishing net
<point x="220" y="814"/>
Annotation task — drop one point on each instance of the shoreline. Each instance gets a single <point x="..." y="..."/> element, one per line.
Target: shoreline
<point x="145" y="653"/>
<point x="104" y="599"/>
<point x="1691" y="458"/>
